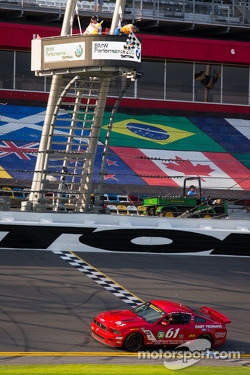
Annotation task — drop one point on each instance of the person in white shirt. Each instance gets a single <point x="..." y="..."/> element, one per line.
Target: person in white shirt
<point x="94" y="27"/>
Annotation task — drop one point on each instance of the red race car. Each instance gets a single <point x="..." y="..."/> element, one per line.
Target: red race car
<point x="160" y="323"/>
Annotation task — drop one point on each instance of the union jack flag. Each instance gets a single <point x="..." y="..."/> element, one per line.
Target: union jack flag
<point x="8" y="148"/>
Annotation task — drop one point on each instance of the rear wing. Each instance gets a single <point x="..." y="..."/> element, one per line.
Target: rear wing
<point x="214" y="314"/>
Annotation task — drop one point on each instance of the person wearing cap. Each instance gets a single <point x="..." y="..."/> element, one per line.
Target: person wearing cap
<point x="191" y="190"/>
<point x="94" y="27"/>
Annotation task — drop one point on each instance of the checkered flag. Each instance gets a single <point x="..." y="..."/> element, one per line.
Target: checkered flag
<point x="132" y="42"/>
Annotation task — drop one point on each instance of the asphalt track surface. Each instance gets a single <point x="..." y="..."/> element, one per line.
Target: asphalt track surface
<point x="47" y="305"/>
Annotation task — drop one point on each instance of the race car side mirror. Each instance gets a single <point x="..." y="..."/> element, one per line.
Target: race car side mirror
<point x="164" y="323"/>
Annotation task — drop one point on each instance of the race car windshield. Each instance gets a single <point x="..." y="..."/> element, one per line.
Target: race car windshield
<point x="149" y="312"/>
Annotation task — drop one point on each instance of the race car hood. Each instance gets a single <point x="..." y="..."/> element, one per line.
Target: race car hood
<point x="118" y="318"/>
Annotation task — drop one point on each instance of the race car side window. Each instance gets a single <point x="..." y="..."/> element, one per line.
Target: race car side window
<point x="177" y="318"/>
<point x="186" y="318"/>
<point x="199" y="319"/>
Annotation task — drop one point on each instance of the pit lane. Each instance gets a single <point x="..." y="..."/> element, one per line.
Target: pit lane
<point x="47" y="304"/>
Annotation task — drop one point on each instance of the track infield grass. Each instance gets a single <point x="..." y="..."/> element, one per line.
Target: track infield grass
<point x="92" y="369"/>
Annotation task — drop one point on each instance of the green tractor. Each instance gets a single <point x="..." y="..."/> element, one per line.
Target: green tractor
<point x="190" y="204"/>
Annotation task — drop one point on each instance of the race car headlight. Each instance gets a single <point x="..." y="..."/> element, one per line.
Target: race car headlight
<point x="113" y="330"/>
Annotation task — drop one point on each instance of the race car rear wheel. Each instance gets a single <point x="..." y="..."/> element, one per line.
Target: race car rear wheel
<point x="207" y="337"/>
<point x="133" y="342"/>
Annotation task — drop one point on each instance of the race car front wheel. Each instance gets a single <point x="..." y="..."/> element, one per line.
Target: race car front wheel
<point x="133" y="342"/>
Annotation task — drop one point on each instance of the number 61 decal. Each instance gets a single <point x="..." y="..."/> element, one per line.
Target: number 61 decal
<point x="172" y="333"/>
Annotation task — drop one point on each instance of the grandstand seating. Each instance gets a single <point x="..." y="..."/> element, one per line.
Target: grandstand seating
<point x="192" y="11"/>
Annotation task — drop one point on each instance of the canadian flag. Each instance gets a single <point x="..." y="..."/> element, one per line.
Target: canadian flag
<point x="162" y="168"/>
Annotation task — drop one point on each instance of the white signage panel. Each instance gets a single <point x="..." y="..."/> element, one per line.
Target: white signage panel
<point x="64" y="52"/>
<point x="107" y="50"/>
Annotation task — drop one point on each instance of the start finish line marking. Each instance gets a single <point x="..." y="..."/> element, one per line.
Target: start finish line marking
<point x="100" y="278"/>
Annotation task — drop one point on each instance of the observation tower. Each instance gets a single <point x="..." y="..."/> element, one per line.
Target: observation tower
<point x="80" y="68"/>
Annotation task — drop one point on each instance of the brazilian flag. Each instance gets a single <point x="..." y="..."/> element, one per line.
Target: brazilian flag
<point x="158" y="132"/>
